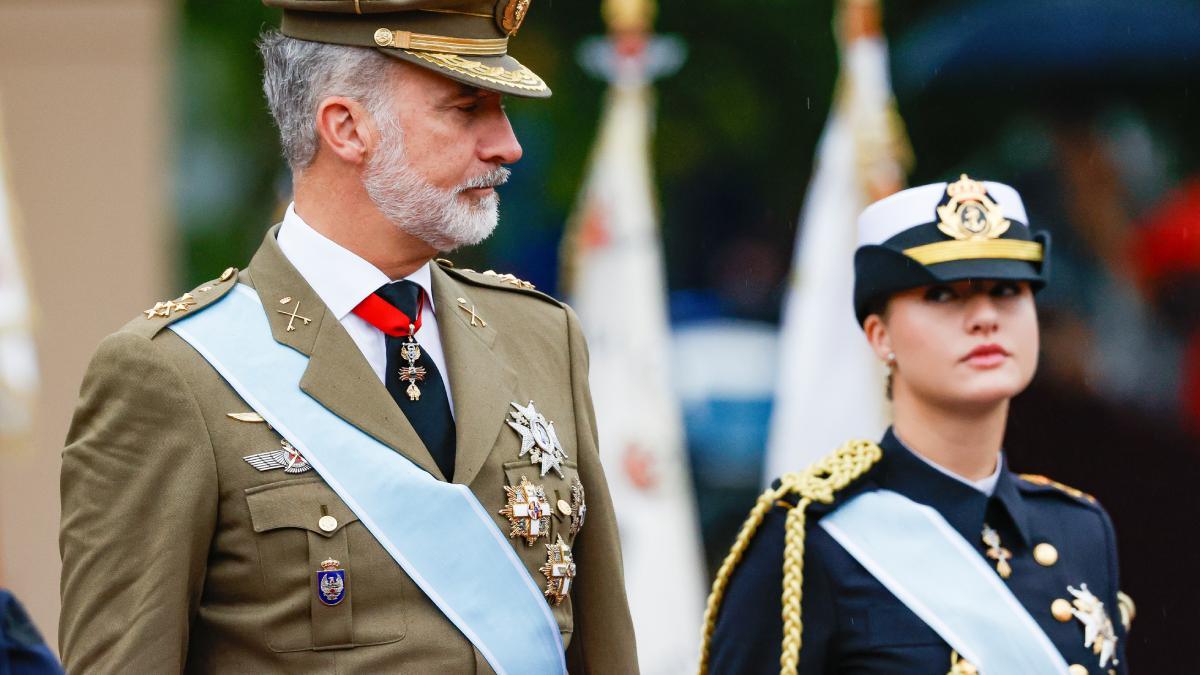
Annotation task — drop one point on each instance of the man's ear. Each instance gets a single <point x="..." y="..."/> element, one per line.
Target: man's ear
<point x="878" y="337"/>
<point x="346" y="129"/>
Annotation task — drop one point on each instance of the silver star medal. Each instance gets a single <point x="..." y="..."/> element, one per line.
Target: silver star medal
<point x="537" y="438"/>
<point x="1098" y="632"/>
<point x="286" y="457"/>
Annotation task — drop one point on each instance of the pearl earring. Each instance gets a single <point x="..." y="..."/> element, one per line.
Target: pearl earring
<point x="891" y="358"/>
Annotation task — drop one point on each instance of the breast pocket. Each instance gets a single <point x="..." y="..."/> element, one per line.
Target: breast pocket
<point x="327" y="583"/>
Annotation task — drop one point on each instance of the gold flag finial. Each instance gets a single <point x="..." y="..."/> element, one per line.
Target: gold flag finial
<point x="629" y="16"/>
<point x="860" y="19"/>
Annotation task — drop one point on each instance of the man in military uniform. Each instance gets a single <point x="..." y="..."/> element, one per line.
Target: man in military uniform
<point x="925" y="554"/>
<point x="348" y="457"/>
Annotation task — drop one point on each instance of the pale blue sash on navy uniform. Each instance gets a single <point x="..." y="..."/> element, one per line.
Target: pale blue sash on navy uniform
<point x="438" y="532"/>
<point x="925" y="563"/>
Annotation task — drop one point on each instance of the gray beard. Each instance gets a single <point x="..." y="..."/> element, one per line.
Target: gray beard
<point x="441" y="218"/>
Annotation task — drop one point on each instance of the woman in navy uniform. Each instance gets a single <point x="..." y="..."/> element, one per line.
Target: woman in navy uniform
<point x="924" y="553"/>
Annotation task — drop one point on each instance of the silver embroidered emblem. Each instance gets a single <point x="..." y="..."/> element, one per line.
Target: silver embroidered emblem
<point x="286" y="457"/>
<point x="538" y="438"/>
<point x="1098" y="631"/>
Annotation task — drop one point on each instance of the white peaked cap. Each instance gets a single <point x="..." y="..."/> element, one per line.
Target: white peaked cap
<point x="917" y="206"/>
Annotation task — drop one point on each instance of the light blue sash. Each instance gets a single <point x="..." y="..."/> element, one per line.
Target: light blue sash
<point x="438" y="532"/>
<point x="915" y="553"/>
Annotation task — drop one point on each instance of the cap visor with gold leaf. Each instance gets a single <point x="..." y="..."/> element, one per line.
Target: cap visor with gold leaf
<point x="464" y="40"/>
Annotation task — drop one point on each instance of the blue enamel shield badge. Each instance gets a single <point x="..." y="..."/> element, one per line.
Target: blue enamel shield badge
<point x="331" y="583"/>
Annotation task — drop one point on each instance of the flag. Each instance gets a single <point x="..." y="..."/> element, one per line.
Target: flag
<point x="614" y="263"/>
<point x="831" y="385"/>
<point x="18" y="363"/>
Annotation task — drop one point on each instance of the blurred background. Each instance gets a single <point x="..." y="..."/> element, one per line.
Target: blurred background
<point x="141" y="161"/>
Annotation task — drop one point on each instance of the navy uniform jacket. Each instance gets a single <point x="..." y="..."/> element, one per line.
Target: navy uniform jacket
<point x="852" y="624"/>
<point x="22" y="650"/>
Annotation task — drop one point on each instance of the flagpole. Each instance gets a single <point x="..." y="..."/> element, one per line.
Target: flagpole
<point x="613" y="267"/>
<point x="831" y="387"/>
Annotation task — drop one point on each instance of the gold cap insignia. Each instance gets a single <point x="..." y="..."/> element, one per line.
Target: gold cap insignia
<point x="970" y="213"/>
<point x="510" y="14"/>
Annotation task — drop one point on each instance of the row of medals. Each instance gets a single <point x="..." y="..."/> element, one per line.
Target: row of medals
<point x="528" y="509"/>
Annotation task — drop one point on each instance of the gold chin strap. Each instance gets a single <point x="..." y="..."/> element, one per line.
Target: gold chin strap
<point x="976" y="249"/>
<point x="818" y="483"/>
<point x="402" y="39"/>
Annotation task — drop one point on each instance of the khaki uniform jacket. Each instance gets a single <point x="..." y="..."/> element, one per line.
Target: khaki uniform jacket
<point x="178" y="555"/>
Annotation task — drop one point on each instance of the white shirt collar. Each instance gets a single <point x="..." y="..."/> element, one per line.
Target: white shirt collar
<point x="341" y="278"/>
<point x="985" y="485"/>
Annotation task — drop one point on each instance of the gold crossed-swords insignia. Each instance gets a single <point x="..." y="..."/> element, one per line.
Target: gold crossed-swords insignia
<point x="476" y="320"/>
<point x="293" y="314"/>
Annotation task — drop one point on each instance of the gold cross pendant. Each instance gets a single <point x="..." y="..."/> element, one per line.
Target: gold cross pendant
<point x="991" y="539"/>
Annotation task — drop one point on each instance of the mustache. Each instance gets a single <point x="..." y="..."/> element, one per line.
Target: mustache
<point x="494" y="178"/>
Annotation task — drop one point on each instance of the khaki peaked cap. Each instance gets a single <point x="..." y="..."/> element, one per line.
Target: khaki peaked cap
<point x="465" y="40"/>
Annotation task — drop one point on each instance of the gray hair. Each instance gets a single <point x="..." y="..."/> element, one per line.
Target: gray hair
<point x="299" y="74"/>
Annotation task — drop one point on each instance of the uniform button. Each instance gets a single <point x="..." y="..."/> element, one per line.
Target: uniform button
<point x="563" y="507"/>
<point x="1077" y="669"/>
<point x="327" y="523"/>
<point x="1061" y="609"/>
<point x="1045" y="554"/>
<point x="227" y="274"/>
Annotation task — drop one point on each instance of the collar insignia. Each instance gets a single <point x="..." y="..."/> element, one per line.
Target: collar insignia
<point x="970" y="213"/>
<point x="991" y="539"/>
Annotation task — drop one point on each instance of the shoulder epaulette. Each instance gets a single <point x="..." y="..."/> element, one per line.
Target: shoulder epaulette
<point x="819" y="483"/>
<point x="493" y="279"/>
<point x="1042" y="481"/>
<point x="166" y="312"/>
